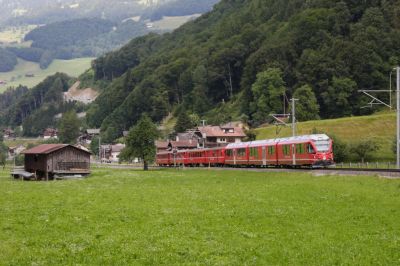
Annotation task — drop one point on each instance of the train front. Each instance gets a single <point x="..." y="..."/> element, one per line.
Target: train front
<point x="323" y="154"/>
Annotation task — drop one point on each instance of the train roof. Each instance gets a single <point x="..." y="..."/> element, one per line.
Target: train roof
<point x="296" y="139"/>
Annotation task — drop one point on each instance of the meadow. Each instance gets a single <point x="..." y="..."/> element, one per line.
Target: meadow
<point x="200" y="217"/>
<point x="380" y="127"/>
<point x="73" y="67"/>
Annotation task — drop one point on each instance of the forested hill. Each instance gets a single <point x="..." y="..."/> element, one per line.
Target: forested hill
<point x="240" y="58"/>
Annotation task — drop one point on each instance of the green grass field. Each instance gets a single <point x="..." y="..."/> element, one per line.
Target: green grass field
<point x="73" y="68"/>
<point x="171" y="23"/>
<point x="379" y="127"/>
<point x="200" y="217"/>
<point x="15" y="35"/>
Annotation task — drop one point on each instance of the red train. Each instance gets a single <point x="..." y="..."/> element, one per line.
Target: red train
<point x="310" y="151"/>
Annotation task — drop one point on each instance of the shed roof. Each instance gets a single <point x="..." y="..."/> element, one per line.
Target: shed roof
<point x="49" y="148"/>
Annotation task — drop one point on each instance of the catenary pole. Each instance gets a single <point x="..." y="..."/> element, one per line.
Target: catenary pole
<point x="398" y="117"/>
<point x="294" y="116"/>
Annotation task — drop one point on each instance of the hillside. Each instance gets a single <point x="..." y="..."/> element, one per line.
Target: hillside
<point x="35" y="109"/>
<point x="249" y="53"/>
<point x="380" y="128"/>
<point x="18" y="76"/>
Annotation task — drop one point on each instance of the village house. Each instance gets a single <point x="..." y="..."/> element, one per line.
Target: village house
<point x="15" y="151"/>
<point x="183" y="141"/>
<point x="8" y="133"/>
<point x="110" y="153"/>
<point x="50" y="133"/>
<point x="88" y="135"/>
<point x="215" y="136"/>
<point x="46" y="161"/>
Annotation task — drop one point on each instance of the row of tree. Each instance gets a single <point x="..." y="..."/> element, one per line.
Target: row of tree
<point x="240" y="59"/>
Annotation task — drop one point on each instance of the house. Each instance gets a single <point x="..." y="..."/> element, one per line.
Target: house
<point x="50" y="133"/>
<point x="183" y="141"/>
<point x="110" y="153"/>
<point x="179" y="145"/>
<point x="88" y="135"/>
<point x="215" y="136"/>
<point x="8" y="133"/>
<point x="29" y="75"/>
<point x="48" y="160"/>
<point x="15" y="151"/>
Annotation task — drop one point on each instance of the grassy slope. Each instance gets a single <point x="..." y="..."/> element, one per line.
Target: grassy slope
<point x="200" y="217"/>
<point x="73" y="67"/>
<point x="171" y="23"/>
<point x="379" y="127"/>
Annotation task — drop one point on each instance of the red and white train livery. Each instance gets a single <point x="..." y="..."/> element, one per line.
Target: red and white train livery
<point x="309" y="150"/>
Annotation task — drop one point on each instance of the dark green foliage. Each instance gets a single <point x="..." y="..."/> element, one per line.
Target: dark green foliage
<point x="27" y="53"/>
<point x="335" y="47"/>
<point x="363" y="149"/>
<point x="268" y="91"/>
<point x="10" y="96"/>
<point x="140" y="142"/>
<point x="250" y="135"/>
<point x="46" y="59"/>
<point x="63" y="34"/>
<point x="19" y="160"/>
<point x="7" y="60"/>
<point x="340" y="149"/>
<point x="307" y="107"/>
<point x="184" y="122"/>
<point x="35" y="109"/>
<point x="94" y="145"/>
<point x="69" y="127"/>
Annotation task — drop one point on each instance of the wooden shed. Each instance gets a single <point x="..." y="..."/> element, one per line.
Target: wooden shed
<point x="48" y="160"/>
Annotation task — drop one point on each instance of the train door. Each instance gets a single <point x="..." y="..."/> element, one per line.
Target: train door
<point x="293" y="155"/>
<point x="264" y="156"/>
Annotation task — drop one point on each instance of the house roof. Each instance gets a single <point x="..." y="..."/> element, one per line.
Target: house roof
<point x="49" y="148"/>
<point x="217" y="131"/>
<point x="177" y="144"/>
<point x="93" y="131"/>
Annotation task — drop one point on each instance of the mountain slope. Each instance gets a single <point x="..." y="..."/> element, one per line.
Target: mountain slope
<point x="335" y="47"/>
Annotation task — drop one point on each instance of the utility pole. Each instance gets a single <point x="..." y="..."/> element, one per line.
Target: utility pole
<point x="294" y="116"/>
<point x="398" y="117"/>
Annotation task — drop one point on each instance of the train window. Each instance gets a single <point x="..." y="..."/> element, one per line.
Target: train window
<point x="310" y="148"/>
<point x="271" y="150"/>
<point x="286" y="149"/>
<point x="322" y="145"/>
<point x="300" y="148"/>
<point x="229" y="153"/>
<point x="241" y="152"/>
<point x="254" y="152"/>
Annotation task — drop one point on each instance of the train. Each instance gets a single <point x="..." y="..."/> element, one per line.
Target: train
<point x="313" y="151"/>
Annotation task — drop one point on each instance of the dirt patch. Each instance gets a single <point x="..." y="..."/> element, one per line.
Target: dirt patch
<point x="85" y="96"/>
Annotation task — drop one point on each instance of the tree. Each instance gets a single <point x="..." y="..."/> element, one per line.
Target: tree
<point x="69" y="127"/>
<point x="268" y="90"/>
<point x="140" y="142"/>
<point x="184" y="122"/>
<point x="307" y="107"/>
<point x="363" y="148"/>
<point x="337" y="97"/>
<point x="94" y="145"/>
<point x="340" y="149"/>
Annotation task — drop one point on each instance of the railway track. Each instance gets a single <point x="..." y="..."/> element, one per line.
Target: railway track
<point x="388" y="173"/>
